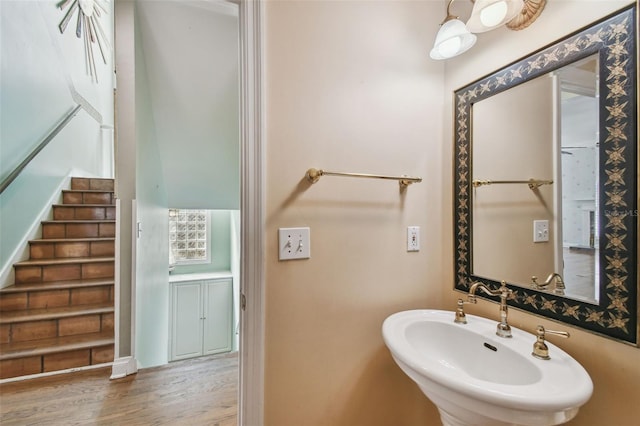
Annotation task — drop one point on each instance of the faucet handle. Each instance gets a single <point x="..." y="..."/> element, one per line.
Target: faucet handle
<point x="461" y="318"/>
<point x="534" y="282"/>
<point x="540" y="348"/>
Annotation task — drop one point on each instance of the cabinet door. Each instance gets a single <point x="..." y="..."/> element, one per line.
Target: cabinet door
<point x="218" y="314"/>
<point x="186" y="324"/>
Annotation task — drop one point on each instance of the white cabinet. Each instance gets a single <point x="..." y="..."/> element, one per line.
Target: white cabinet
<point x="201" y="318"/>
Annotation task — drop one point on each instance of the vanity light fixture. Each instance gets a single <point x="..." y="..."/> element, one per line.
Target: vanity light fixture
<point x="454" y="37"/>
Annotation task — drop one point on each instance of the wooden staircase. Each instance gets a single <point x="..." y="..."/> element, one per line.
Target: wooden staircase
<point x="59" y="314"/>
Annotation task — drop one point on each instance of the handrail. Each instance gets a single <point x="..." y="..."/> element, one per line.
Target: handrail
<point x="18" y="169"/>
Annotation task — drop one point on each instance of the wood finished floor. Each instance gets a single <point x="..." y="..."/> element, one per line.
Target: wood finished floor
<point x="199" y="391"/>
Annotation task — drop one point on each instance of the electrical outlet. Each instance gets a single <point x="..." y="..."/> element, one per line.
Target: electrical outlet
<point x="540" y="231"/>
<point x="413" y="238"/>
<point x="294" y="243"/>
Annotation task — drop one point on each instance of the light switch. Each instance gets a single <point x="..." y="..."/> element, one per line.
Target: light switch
<point x="540" y="231"/>
<point x="294" y="243"/>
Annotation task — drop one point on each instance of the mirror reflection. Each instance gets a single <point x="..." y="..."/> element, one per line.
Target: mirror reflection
<point x="552" y="135"/>
<point x="579" y="178"/>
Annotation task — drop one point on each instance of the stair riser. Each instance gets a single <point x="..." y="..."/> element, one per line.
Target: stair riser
<point x="56" y="298"/>
<point x="65" y="250"/>
<point x="84" y="213"/>
<point x="13" y="301"/>
<point x="56" y="361"/>
<point x="4" y="333"/>
<point x="48" y="273"/>
<point x="86" y="197"/>
<point x="79" y="230"/>
<point x="92" y="184"/>
<point x="60" y="327"/>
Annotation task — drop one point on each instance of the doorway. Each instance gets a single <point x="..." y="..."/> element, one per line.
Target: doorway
<point x="188" y="149"/>
<point x="251" y="210"/>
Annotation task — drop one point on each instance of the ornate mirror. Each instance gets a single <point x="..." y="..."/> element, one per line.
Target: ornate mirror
<point x="546" y="180"/>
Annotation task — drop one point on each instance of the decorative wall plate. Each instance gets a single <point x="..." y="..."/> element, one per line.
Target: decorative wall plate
<point x="88" y="27"/>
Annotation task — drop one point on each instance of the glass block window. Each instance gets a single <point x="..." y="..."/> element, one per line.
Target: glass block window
<point x="188" y="236"/>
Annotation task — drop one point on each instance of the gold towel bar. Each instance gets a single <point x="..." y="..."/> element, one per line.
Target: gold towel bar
<point x="533" y="183"/>
<point x="313" y="175"/>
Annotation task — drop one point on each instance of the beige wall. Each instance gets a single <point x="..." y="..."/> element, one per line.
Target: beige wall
<point x="614" y="367"/>
<point x="349" y="87"/>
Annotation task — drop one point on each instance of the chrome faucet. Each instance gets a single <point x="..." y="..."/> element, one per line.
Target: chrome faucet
<point x="559" y="288"/>
<point x="503" y="329"/>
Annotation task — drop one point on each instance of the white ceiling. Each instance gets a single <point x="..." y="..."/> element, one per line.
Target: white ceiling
<point x="191" y="53"/>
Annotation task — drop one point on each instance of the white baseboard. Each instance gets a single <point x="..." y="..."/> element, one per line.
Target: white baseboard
<point x="55" y="373"/>
<point x="123" y="367"/>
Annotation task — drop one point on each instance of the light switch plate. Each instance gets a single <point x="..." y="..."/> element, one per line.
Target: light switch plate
<point x="294" y="243"/>
<point x="540" y="231"/>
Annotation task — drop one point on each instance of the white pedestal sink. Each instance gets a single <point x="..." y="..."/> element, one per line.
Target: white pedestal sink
<point x="477" y="378"/>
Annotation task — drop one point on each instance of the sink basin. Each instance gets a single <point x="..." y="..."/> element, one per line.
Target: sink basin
<point x="475" y="377"/>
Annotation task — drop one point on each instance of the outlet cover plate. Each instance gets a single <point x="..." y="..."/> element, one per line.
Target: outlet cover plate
<point x="413" y="238"/>
<point x="294" y="243"/>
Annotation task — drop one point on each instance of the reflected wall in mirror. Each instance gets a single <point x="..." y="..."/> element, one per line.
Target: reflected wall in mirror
<point x="553" y="136"/>
<point x="565" y="119"/>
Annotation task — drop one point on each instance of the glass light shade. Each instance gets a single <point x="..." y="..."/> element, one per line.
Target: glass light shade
<point x="452" y="39"/>
<point x="490" y="14"/>
<point x="493" y="14"/>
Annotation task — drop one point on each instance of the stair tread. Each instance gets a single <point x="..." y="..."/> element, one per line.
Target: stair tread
<point x="57" y="285"/>
<point x="72" y="240"/>
<point x="78" y="221"/>
<point x="40" y="314"/>
<point x="88" y="190"/>
<point x="94" y="205"/>
<point x="65" y="261"/>
<point x="54" y="344"/>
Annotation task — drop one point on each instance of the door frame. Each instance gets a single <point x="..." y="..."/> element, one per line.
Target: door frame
<point x="251" y="395"/>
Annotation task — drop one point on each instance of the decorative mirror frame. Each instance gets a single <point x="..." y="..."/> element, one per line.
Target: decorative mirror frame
<point x="614" y="39"/>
